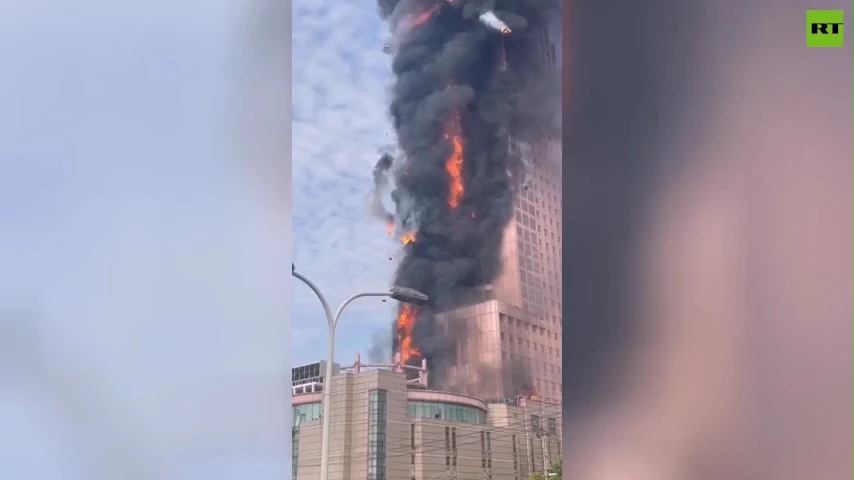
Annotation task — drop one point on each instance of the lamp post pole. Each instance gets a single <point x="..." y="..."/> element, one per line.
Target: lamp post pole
<point x="332" y="322"/>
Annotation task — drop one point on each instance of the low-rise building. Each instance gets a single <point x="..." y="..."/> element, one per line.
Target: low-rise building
<point x="387" y="427"/>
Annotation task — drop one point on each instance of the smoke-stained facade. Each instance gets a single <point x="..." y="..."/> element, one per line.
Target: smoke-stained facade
<point x="518" y="324"/>
<point x="472" y="104"/>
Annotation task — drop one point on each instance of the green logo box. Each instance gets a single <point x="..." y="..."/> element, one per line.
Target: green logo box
<point x="825" y="28"/>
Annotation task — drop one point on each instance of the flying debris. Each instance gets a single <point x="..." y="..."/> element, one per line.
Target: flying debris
<point x="387" y="49"/>
<point x="490" y="20"/>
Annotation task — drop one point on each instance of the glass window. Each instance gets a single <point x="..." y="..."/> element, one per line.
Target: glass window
<point x="445" y="411"/>
<point x="294" y="450"/>
<point x="377" y="419"/>
<point x="306" y="413"/>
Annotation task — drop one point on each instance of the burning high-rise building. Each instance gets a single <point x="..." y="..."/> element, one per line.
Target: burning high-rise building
<point x="475" y="105"/>
<point x="515" y="328"/>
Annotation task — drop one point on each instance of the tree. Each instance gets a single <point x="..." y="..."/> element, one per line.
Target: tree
<point x="555" y="472"/>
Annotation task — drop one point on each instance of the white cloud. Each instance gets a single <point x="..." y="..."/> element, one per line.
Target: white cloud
<point x="340" y="78"/>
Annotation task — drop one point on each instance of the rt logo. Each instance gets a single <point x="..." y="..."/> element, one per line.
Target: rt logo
<point x="824" y="28"/>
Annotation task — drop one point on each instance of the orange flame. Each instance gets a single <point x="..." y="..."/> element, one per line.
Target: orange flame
<point x="454" y="163"/>
<point x="389" y="228"/>
<point x="408" y="238"/>
<point x="424" y="17"/>
<point x="405" y="323"/>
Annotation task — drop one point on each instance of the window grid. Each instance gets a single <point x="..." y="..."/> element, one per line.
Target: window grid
<point x="377" y="432"/>
<point x="446" y="411"/>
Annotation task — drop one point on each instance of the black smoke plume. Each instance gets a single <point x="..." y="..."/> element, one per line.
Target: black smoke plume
<point x="381" y="180"/>
<point x="453" y="64"/>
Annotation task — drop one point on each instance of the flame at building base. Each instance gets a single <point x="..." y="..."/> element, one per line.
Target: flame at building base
<point x="406" y="317"/>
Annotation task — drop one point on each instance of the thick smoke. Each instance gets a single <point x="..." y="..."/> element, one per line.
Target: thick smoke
<point x="515" y="377"/>
<point x="380" y="350"/>
<point x="471" y="67"/>
<point x="381" y="180"/>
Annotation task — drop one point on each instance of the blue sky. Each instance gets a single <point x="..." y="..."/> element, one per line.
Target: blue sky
<point x="340" y="79"/>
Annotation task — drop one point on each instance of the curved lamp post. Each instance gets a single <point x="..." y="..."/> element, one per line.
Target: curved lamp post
<point x="401" y="294"/>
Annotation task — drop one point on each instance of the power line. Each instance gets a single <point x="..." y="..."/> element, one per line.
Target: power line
<point x="462" y="468"/>
<point x="425" y="448"/>
<point x="518" y="425"/>
<point x="512" y="428"/>
<point x="501" y="432"/>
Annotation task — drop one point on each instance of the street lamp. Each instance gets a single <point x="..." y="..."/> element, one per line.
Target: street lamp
<point x="401" y="294"/>
<point x="407" y="295"/>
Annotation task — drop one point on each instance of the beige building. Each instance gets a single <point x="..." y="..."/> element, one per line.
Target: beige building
<point x="387" y="428"/>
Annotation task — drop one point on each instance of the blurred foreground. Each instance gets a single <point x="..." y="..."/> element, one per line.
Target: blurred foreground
<point x="708" y="259"/>
<point x="144" y="240"/>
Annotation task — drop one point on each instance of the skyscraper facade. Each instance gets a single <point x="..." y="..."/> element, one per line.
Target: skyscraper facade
<point x="516" y="329"/>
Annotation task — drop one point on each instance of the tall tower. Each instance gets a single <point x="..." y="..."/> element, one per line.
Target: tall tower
<point x="517" y="326"/>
